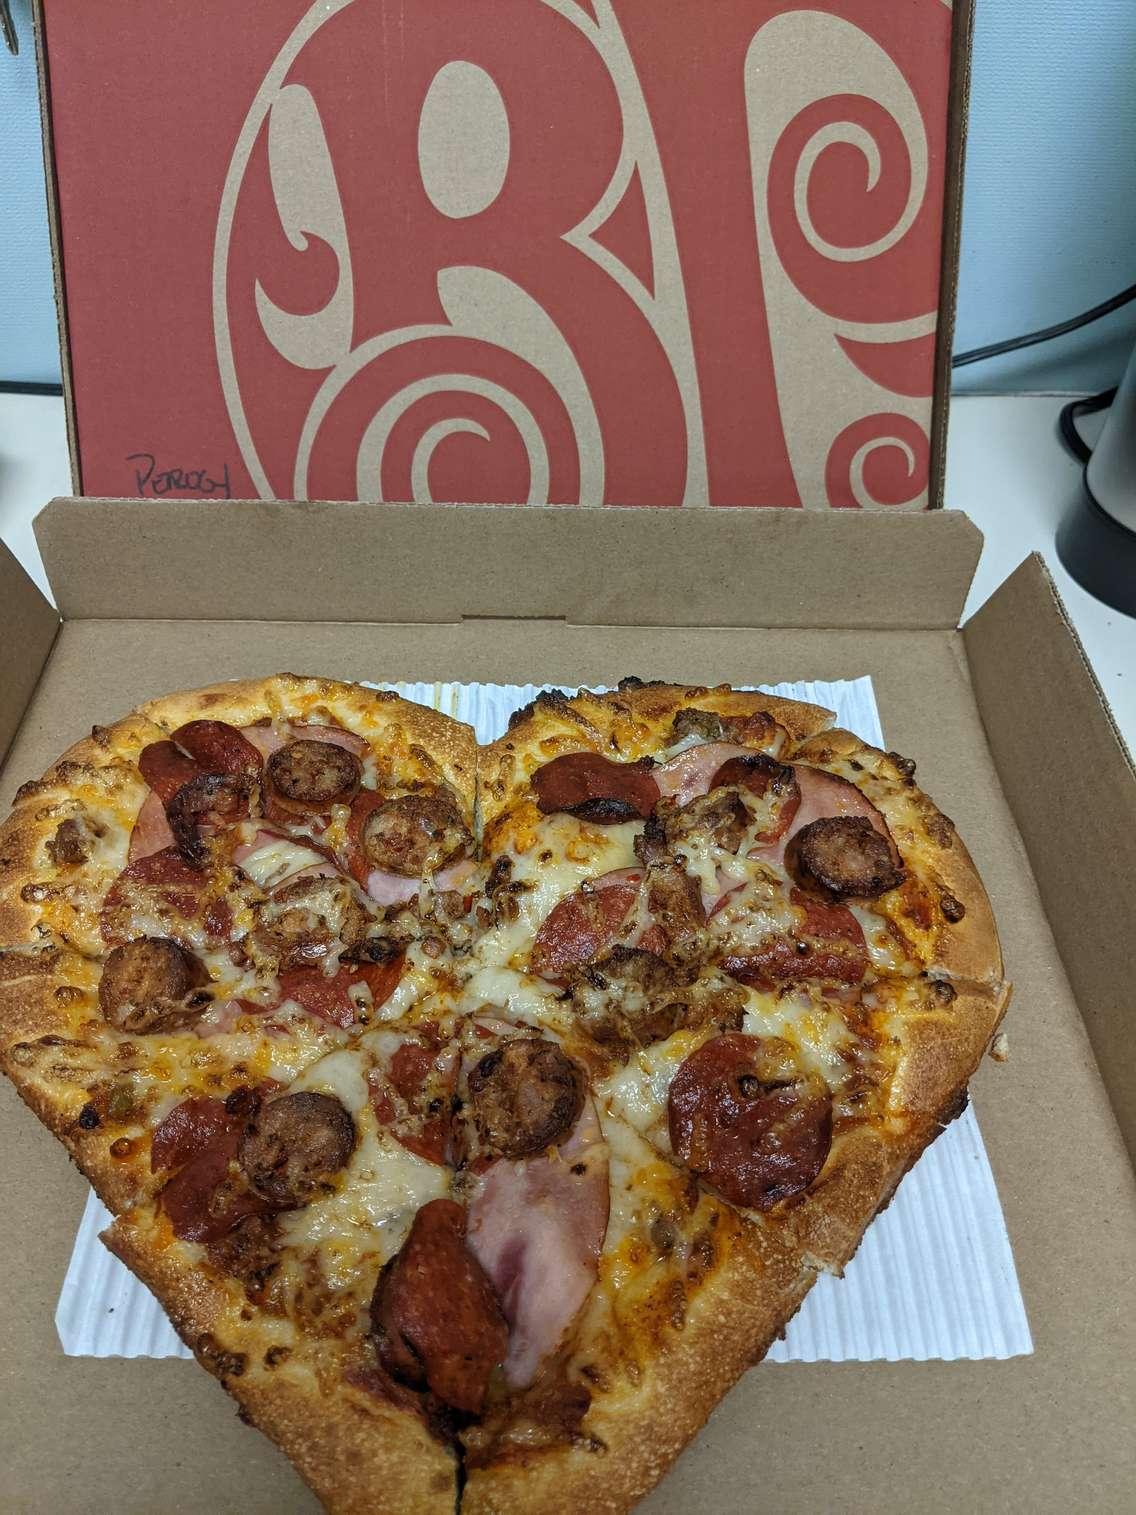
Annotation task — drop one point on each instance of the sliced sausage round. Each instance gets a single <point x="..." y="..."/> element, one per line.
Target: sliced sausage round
<point x="628" y="998"/>
<point x="311" y="776"/>
<point x="205" y="805"/>
<point x="593" y="788"/>
<point x="844" y="856"/>
<point x="414" y="834"/>
<point x="294" y="1143"/>
<point x="743" y="1116"/>
<point x="147" y="985"/>
<point x="434" y="1314"/>
<point x="525" y="1095"/>
<point x="304" y="921"/>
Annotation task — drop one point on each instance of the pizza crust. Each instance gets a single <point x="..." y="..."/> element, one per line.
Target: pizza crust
<point x="360" y="1454"/>
<point x="967" y="947"/>
<point x="105" y="760"/>
<point x="731" y="1323"/>
<point x="440" y="746"/>
<point x="625" y="723"/>
<point x="941" y="1050"/>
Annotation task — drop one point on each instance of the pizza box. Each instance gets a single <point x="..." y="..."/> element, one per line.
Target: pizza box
<point x="477" y="249"/>
<point x="1013" y="739"/>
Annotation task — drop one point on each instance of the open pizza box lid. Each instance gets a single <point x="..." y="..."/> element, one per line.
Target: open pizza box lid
<point x="479" y="252"/>
<point x="1012" y="738"/>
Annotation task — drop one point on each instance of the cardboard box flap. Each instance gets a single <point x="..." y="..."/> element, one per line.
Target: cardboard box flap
<point x="1071" y="786"/>
<point x="345" y="561"/>
<point x="30" y="624"/>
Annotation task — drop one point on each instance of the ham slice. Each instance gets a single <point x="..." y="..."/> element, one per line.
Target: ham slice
<point x="269" y="739"/>
<point x="391" y="888"/>
<point x="151" y="829"/>
<point x="823" y="795"/>
<point x="273" y="858"/>
<point x="395" y="889"/>
<point x="685" y="777"/>
<point x="537" y="1228"/>
<point x="266" y="739"/>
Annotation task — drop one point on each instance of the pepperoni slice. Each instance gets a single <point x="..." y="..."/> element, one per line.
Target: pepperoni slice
<point x="361" y="806"/>
<point x="203" y="1200"/>
<point x="330" y="999"/>
<point x="424" y="1080"/>
<point x="166" y="768"/>
<point x="744" y="1119"/>
<point x="188" y="1130"/>
<point x="595" y="789"/>
<point x="218" y="747"/>
<point x="827" y="944"/>
<point x="434" y="1313"/>
<point x="409" y="1066"/>
<point x="162" y="883"/>
<point x="585" y="924"/>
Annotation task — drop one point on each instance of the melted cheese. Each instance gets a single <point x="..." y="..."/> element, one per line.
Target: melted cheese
<point x="369" y="1215"/>
<point x="642" y="1184"/>
<point x="419" y="979"/>
<point x="884" y="951"/>
<point x="342" y="1075"/>
<point x="519" y="994"/>
<point x="638" y="1093"/>
<point x="564" y="853"/>
<point x="811" y="1025"/>
<point x="269" y="866"/>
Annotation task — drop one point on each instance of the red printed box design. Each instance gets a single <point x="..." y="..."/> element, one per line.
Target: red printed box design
<point x="657" y="252"/>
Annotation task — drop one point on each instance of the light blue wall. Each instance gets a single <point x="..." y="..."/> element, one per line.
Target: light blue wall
<point x="29" y="344"/>
<point x="1049" y="223"/>
<point x="1049" y="218"/>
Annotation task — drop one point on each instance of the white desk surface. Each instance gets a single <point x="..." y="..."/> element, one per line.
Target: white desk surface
<point x="1005" y="468"/>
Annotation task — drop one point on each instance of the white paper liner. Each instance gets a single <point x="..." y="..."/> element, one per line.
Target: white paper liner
<point x="934" y="1277"/>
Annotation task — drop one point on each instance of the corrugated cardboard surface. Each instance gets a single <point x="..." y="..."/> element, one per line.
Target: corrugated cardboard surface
<point x="1046" y="1433"/>
<point x="525" y="235"/>
<point x="353" y="562"/>
<point x="1039" y="696"/>
<point x="27" y="629"/>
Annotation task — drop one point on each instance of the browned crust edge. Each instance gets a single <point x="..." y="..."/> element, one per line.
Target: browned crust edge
<point x="731" y="1323"/>
<point x="40" y="805"/>
<point x="968" y="948"/>
<point x="359" y="1454"/>
<point x="448" y="742"/>
<point x="632" y="721"/>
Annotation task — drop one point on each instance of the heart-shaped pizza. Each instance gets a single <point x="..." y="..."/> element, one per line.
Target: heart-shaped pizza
<point x="479" y="1114"/>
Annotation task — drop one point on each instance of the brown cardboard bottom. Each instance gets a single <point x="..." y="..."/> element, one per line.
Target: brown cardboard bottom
<point x="1052" y="1432"/>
